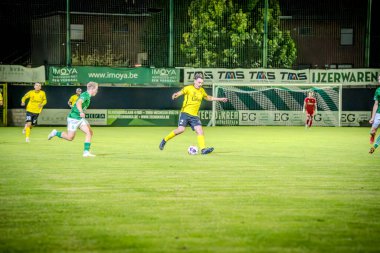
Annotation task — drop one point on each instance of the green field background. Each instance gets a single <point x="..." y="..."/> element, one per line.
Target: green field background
<point x="263" y="189"/>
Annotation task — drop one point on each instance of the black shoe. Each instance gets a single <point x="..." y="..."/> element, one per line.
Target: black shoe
<point x="206" y="151"/>
<point x="162" y="144"/>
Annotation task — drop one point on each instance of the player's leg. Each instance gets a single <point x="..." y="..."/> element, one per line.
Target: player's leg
<point x="179" y="130"/>
<point x="307" y="119"/>
<point x="375" y="125"/>
<point x="86" y="128"/>
<point x="72" y="126"/>
<point x="30" y="120"/>
<point x="24" y="129"/>
<point x="182" y="123"/>
<point x="311" y="115"/>
<point x="375" y="146"/>
<point x="28" y="126"/>
<point x="196" y="125"/>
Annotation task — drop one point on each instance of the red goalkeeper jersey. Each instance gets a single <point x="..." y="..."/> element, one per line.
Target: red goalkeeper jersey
<point x="310" y="104"/>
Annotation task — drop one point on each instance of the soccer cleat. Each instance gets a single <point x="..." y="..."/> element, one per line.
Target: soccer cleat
<point x="88" y="154"/>
<point x="162" y="144"/>
<point x="372" y="139"/>
<point x="27" y="139"/>
<point x="371" y="150"/>
<point x="52" y="134"/>
<point x="206" y="151"/>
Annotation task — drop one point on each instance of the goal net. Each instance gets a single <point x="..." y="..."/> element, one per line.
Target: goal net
<point x="263" y="104"/>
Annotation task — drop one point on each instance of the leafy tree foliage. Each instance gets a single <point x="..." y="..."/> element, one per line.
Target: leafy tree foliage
<point x="224" y="33"/>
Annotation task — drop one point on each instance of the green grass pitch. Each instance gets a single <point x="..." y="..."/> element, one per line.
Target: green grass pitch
<point x="263" y="189"/>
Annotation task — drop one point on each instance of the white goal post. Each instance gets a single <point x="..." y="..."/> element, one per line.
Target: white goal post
<point x="271" y="104"/>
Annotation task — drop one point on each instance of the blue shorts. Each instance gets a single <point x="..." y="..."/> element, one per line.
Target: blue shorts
<point x="188" y="120"/>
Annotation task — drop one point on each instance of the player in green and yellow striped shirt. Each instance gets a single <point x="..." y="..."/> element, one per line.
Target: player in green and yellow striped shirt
<point x="193" y="96"/>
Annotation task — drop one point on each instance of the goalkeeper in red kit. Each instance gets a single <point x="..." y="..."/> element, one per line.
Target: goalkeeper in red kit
<point x="310" y="107"/>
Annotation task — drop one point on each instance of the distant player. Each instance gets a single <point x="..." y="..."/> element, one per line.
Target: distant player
<point x="1" y="99"/>
<point x="375" y="120"/>
<point x="310" y="107"/>
<point x="37" y="100"/>
<point x="193" y="96"/>
<point x="74" y="97"/>
<point x="77" y="119"/>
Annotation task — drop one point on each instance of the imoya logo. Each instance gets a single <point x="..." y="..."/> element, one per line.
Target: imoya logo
<point x="65" y="71"/>
<point x="164" y="72"/>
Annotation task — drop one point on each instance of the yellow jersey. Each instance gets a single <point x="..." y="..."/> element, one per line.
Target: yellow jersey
<point x="193" y="99"/>
<point x="1" y="97"/>
<point x="35" y="99"/>
<point x="73" y="99"/>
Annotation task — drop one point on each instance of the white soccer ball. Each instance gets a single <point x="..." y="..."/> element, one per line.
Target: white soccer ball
<point x="192" y="150"/>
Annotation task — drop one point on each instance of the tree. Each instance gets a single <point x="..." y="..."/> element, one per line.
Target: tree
<point x="227" y="34"/>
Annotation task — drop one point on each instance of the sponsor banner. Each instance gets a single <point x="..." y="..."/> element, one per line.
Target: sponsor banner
<point x="268" y="118"/>
<point x="21" y="74"/>
<point x="285" y="76"/>
<point x="59" y="117"/>
<point x="128" y="117"/>
<point x="107" y="75"/>
<point x="356" y="118"/>
<point x="275" y="76"/>
<point x="345" y="76"/>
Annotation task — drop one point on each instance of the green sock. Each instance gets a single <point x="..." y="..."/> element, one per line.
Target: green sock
<point x="377" y="142"/>
<point x="87" y="146"/>
<point x="59" y="134"/>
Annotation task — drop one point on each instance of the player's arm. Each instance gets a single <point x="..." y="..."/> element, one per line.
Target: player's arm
<point x="177" y="94"/>
<point x="80" y="109"/>
<point x="375" y="106"/>
<point x="304" y="106"/>
<point x="211" y="98"/>
<point x="24" y="98"/>
<point x="70" y="103"/>
<point x="44" y="101"/>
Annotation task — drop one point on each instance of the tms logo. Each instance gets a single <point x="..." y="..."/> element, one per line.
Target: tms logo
<point x="293" y="76"/>
<point x="207" y="75"/>
<point x="230" y="75"/>
<point x="262" y="75"/>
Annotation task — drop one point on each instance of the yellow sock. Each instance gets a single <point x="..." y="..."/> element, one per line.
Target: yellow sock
<point x="27" y="132"/>
<point x="169" y="136"/>
<point x="201" y="141"/>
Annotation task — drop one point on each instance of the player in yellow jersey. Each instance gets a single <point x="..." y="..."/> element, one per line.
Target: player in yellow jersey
<point x="37" y="100"/>
<point x="194" y="94"/>
<point x="74" y="97"/>
<point x="1" y="99"/>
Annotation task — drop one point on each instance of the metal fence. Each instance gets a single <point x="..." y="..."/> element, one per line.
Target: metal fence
<point x="198" y="33"/>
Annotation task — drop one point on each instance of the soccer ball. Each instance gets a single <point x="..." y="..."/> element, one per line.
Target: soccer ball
<point x="192" y="150"/>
